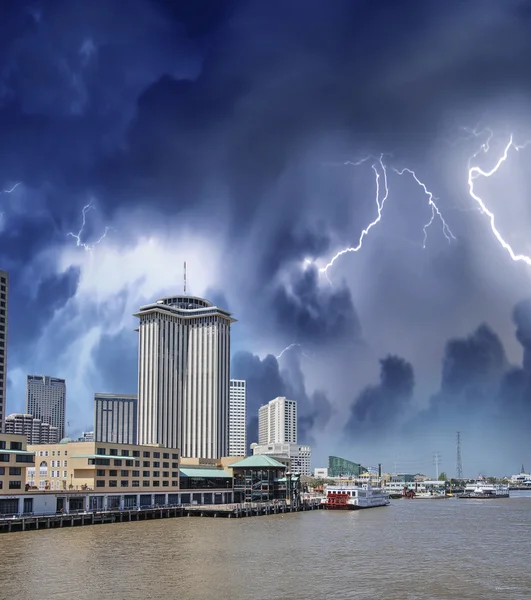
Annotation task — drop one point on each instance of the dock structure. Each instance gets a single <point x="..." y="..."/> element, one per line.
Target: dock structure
<point x="33" y="522"/>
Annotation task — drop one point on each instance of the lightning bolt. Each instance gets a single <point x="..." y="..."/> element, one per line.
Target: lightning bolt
<point x="10" y="191"/>
<point x="435" y="212"/>
<point x="288" y="348"/>
<point x="77" y="236"/>
<point x="379" y="207"/>
<point x="474" y="172"/>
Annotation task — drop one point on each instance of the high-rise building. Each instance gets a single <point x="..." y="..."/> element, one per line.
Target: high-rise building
<point x="46" y="400"/>
<point x="277" y="422"/>
<point x="300" y="457"/>
<point x="4" y="288"/>
<point x="115" y="418"/>
<point x="237" y="418"/>
<point x="35" y="430"/>
<point x="88" y="436"/>
<point x="183" y="376"/>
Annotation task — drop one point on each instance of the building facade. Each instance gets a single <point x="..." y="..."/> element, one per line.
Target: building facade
<point x="341" y="467"/>
<point x="46" y="400"/>
<point x="87" y="436"/>
<point x="183" y="376"/>
<point x="299" y="456"/>
<point x="35" y="430"/>
<point x="14" y="461"/>
<point x="277" y="422"/>
<point x="4" y="289"/>
<point x="237" y="418"/>
<point x="116" y="418"/>
<point x="103" y="467"/>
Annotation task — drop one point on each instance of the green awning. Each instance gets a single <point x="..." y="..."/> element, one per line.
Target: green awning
<point x="24" y="452"/>
<point x="198" y="472"/>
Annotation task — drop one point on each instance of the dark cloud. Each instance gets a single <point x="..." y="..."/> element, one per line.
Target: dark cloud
<point x="309" y="312"/>
<point x="226" y="115"/>
<point x="117" y="356"/>
<point x="34" y="305"/>
<point x="377" y="407"/>
<point x="266" y="381"/>
<point x="473" y="365"/>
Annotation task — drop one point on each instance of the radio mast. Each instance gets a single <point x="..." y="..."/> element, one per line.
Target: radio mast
<point x="459" y="465"/>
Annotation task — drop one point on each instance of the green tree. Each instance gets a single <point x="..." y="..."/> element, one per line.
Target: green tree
<point x="443" y="477"/>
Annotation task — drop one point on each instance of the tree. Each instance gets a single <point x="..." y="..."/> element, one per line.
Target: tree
<point x="443" y="477"/>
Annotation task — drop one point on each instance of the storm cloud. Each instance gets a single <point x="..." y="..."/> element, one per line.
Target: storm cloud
<point x="218" y="132"/>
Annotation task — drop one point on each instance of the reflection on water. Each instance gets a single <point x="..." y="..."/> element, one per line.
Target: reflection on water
<point x="417" y="549"/>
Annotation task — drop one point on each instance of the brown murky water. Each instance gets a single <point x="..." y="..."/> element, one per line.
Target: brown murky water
<point x="418" y="549"/>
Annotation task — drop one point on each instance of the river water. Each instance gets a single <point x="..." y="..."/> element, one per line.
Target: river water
<point x="413" y="549"/>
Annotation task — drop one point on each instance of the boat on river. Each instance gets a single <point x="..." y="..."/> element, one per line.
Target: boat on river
<point x="354" y="497"/>
<point x="482" y="490"/>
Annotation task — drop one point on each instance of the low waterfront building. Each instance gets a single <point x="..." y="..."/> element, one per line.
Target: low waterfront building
<point x="15" y="458"/>
<point x="34" y="429"/>
<point x="102" y="466"/>
<point x="262" y="478"/>
<point x="299" y="456"/>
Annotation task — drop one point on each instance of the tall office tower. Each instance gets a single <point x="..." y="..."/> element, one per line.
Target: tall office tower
<point x="46" y="400"/>
<point x="4" y="288"/>
<point x="115" y="418"/>
<point x="237" y="418"/>
<point x="35" y="430"/>
<point x="277" y="422"/>
<point x="183" y="376"/>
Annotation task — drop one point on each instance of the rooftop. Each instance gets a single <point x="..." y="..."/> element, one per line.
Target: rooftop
<point x="258" y="461"/>
<point x="200" y="472"/>
<point x="185" y="306"/>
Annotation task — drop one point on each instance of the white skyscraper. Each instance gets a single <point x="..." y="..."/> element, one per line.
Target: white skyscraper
<point x="46" y="400"/>
<point x="4" y="284"/>
<point x="183" y="376"/>
<point x="237" y="418"/>
<point x="277" y="422"/>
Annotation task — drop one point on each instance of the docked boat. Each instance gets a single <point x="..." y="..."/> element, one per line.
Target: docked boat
<point x="354" y="497"/>
<point x="482" y="489"/>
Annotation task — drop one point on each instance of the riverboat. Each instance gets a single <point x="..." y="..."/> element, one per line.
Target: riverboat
<point x="482" y="489"/>
<point x="354" y="497"/>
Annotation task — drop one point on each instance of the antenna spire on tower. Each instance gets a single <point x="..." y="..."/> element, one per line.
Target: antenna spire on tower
<point x="185" y="278"/>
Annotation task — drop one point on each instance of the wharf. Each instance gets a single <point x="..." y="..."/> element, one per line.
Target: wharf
<point x="33" y="522"/>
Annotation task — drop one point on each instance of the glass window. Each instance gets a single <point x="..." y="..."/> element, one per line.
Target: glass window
<point x="113" y="483"/>
<point x="156" y="464"/>
<point x="117" y="462"/>
<point x="124" y="483"/>
<point x="146" y="454"/>
<point x="146" y="463"/>
<point x="145" y="484"/>
<point x="124" y="473"/>
<point x="166" y="455"/>
<point x="156" y="484"/>
<point x="145" y="474"/>
<point x="135" y="483"/>
<point x="100" y="483"/>
<point x="156" y="454"/>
